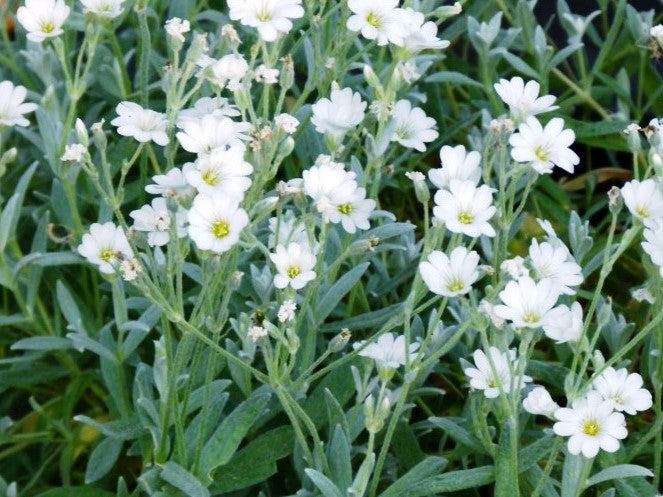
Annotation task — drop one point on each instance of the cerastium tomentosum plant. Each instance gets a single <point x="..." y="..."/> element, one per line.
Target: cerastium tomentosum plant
<point x="261" y="280"/>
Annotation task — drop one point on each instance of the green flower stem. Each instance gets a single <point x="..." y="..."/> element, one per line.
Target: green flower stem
<point x="608" y="263"/>
<point x="121" y="317"/>
<point x="299" y="434"/>
<point x="557" y="446"/>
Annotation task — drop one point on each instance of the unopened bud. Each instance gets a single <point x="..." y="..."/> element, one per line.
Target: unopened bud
<point x="615" y="200"/>
<point x="339" y="342"/>
<point x="420" y="187"/>
<point x="372" y="78"/>
<point x="81" y="133"/>
<point x="287" y="72"/>
<point x="632" y="133"/>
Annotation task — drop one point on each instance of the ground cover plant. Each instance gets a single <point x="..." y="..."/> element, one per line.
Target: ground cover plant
<point x="331" y="248"/>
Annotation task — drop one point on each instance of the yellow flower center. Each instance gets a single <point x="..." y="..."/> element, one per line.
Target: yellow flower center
<point x="492" y="383"/>
<point x="542" y="154"/>
<point x="591" y="427"/>
<point x="374" y="20"/>
<point x="264" y="16"/>
<point x="642" y="212"/>
<point x="465" y="218"/>
<point x="345" y="209"/>
<point x="531" y="318"/>
<point x="294" y="271"/>
<point x="47" y="27"/>
<point x="210" y="178"/>
<point x="220" y="229"/>
<point x="455" y="286"/>
<point x="107" y="255"/>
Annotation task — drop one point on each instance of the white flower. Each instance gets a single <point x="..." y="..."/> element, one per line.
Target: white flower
<point x="556" y="264"/>
<point x="465" y="208"/>
<point x="408" y="72"/>
<point x="266" y="75"/>
<point x="540" y="403"/>
<point x="485" y="378"/>
<point x="591" y="424"/>
<point x="130" y="269"/>
<point x="287" y="229"/>
<point x="388" y="351"/>
<point x="656" y="32"/>
<point x="256" y="333"/>
<point x="564" y="324"/>
<point x="527" y="304"/>
<point x="544" y="148"/>
<point x="270" y="17"/>
<point x="514" y="267"/>
<point x="212" y="133"/>
<point x="171" y="184"/>
<point x="287" y="311"/>
<point x="457" y="163"/>
<point x="286" y="123"/>
<point x="204" y="106"/>
<point x="654" y="244"/>
<point x="325" y="182"/>
<point x="419" y="35"/>
<point x="523" y="99"/>
<point x="415" y="176"/>
<point x="488" y="309"/>
<point x="43" y="18"/>
<point x="377" y="20"/>
<point x="104" y="8"/>
<point x="215" y="223"/>
<point x="547" y="227"/>
<point x="142" y="124"/>
<point x="223" y="172"/>
<point x="229" y="71"/>
<point x="294" y="264"/>
<point x="155" y="220"/>
<point x="451" y="275"/>
<point x="176" y="28"/>
<point x="349" y="207"/>
<point x="643" y="199"/>
<point x="643" y="294"/>
<point x="339" y="113"/>
<point x="105" y="245"/>
<point x="623" y="390"/>
<point x="74" y="153"/>
<point x="13" y="106"/>
<point x="413" y="128"/>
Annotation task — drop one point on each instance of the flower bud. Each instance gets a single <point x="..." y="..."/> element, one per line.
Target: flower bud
<point x="420" y="187"/>
<point x="656" y="162"/>
<point x="372" y="78"/>
<point x="615" y="200"/>
<point x="98" y="135"/>
<point x="287" y="73"/>
<point x="9" y="156"/>
<point x="339" y="342"/>
<point x="632" y="133"/>
<point x="81" y="133"/>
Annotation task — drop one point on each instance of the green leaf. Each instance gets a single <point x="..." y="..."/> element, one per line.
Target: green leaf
<point x="506" y="462"/>
<point x="120" y="429"/>
<point x="102" y="459"/>
<point x="225" y="440"/>
<point x="452" y="482"/>
<point x="179" y="477"/>
<point x="532" y="454"/>
<point x="574" y="474"/>
<point x="256" y="462"/>
<point x="452" y="77"/>
<point x="12" y="209"/>
<point x="458" y="433"/>
<point x="47" y="259"/>
<point x="426" y="468"/>
<point x="42" y="343"/>
<point x="76" y="492"/>
<point x="339" y="457"/>
<point x="69" y="308"/>
<point x="324" y="484"/>
<point x="338" y="290"/>
<point x="619" y="472"/>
